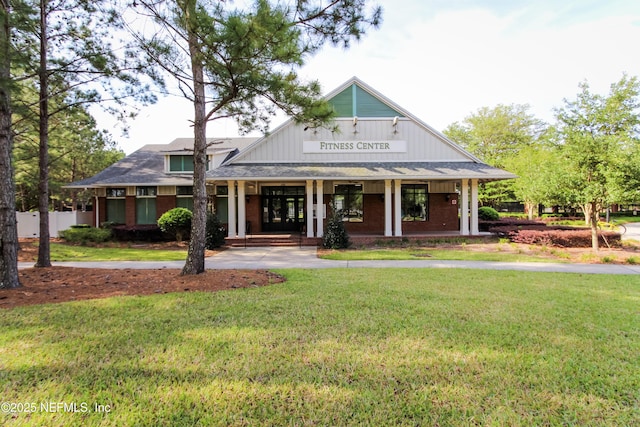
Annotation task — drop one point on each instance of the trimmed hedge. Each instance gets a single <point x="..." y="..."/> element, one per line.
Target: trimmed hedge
<point x="176" y="222"/>
<point x="137" y="233"/>
<point x="487" y="213"/>
<point x="566" y="238"/>
<point x="84" y="235"/>
<point x="511" y="223"/>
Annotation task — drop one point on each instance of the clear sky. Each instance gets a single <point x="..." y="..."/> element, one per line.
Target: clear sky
<point x="444" y="59"/>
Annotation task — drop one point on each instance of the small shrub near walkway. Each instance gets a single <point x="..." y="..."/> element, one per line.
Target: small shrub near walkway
<point x="539" y="233"/>
<point x="84" y="235"/>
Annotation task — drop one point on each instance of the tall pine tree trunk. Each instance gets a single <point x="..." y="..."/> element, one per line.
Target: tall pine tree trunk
<point x="44" y="253"/>
<point x="195" y="255"/>
<point x="8" y="225"/>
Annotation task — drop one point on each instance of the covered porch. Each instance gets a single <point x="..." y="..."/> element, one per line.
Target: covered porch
<point x="257" y="209"/>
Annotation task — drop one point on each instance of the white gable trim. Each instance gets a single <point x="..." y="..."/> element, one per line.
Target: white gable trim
<point x="354" y="80"/>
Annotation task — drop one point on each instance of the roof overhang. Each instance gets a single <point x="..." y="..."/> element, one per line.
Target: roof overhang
<point x="361" y="171"/>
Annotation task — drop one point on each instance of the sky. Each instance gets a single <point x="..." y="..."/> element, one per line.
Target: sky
<point x="442" y="60"/>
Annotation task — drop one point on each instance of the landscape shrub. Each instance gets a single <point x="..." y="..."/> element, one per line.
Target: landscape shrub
<point x="487" y="213"/>
<point x="138" y="233"/>
<point x="566" y="238"/>
<point x="84" y="235"/>
<point x="176" y="222"/>
<point x="511" y="223"/>
<point x="335" y="236"/>
<point x="215" y="233"/>
<point x="80" y="226"/>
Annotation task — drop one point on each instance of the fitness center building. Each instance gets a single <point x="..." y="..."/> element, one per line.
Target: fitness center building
<point x="386" y="171"/>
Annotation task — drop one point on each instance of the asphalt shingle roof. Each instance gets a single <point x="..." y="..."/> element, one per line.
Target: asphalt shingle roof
<point x="390" y="170"/>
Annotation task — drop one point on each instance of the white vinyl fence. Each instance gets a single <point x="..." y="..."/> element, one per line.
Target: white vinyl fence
<point x="29" y="222"/>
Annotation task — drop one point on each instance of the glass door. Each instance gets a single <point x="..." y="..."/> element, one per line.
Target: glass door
<point x="283" y="209"/>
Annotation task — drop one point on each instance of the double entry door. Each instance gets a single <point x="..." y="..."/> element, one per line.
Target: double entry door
<point x="283" y="209"/>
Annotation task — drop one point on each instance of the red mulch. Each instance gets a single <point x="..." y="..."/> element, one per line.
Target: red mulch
<point x="61" y="284"/>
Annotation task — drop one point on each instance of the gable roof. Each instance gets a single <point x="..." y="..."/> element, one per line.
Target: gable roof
<point x="356" y="101"/>
<point x="374" y="106"/>
<point x="146" y="166"/>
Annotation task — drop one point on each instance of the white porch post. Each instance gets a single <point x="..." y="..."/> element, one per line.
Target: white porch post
<point x="309" y="208"/>
<point x="464" y="207"/>
<point x="242" y="210"/>
<point x="97" y="211"/>
<point x="474" y="207"/>
<point x="387" y="208"/>
<point x="231" y="210"/>
<point x="319" y="208"/>
<point x="397" y="208"/>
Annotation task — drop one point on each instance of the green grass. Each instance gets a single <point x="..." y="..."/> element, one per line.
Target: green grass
<point x="436" y="254"/>
<point x="338" y="347"/>
<point x="63" y="252"/>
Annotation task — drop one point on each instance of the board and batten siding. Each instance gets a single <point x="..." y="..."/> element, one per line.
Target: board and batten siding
<point x="286" y="145"/>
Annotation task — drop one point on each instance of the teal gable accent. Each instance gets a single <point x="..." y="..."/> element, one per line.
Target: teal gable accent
<point x="343" y="103"/>
<point x="355" y="101"/>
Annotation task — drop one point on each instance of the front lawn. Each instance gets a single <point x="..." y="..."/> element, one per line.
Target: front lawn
<point x="335" y="347"/>
<point x="66" y="252"/>
<point x="440" y="254"/>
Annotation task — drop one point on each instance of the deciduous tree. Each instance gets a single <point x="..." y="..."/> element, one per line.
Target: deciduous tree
<point x="598" y="135"/>
<point x="497" y="136"/>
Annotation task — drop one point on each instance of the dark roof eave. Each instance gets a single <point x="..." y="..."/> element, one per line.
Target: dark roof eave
<point x="362" y="171"/>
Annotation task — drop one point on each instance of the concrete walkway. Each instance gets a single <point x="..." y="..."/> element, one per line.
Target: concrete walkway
<point x="632" y="231"/>
<point x="306" y="257"/>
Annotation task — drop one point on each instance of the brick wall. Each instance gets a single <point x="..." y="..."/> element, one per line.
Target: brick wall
<point x="443" y="216"/>
<point x="102" y="211"/>
<point x="130" y="210"/>
<point x="254" y="213"/>
<point x="164" y="204"/>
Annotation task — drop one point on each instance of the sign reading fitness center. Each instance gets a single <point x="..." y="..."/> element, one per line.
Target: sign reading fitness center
<point x="331" y="147"/>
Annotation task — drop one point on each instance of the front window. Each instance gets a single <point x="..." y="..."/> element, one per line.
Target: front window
<point x="415" y="202"/>
<point x="180" y="163"/>
<point x="146" y="205"/>
<point x="116" y="205"/>
<point x="222" y="203"/>
<point x="184" y="197"/>
<point x="348" y="201"/>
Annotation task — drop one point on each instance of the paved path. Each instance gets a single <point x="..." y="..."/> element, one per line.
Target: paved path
<point x="306" y="257"/>
<point x="633" y="231"/>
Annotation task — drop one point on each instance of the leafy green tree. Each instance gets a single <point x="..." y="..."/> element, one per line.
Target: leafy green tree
<point x="497" y="136"/>
<point x="599" y="135"/>
<point x="241" y="63"/>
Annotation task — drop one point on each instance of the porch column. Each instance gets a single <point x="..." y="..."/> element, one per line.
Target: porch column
<point x="309" y="208"/>
<point x="464" y="207"/>
<point x="387" y="208"/>
<point x="232" y="231"/>
<point x="397" y="208"/>
<point x="474" y="207"/>
<point x="242" y="210"/>
<point x="319" y="208"/>
<point x="97" y="210"/>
